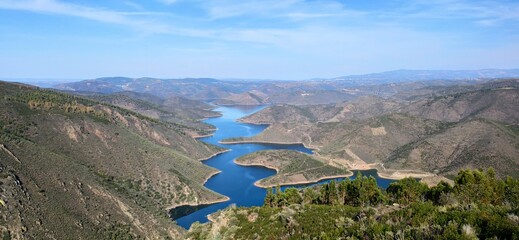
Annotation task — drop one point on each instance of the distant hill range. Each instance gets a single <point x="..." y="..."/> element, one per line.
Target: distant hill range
<point x="426" y="75"/>
<point x="257" y="92"/>
<point x="442" y="132"/>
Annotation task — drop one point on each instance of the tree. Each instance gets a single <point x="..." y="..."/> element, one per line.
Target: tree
<point x="435" y="193"/>
<point x="480" y="187"/>
<point x="325" y="195"/>
<point x="407" y="190"/>
<point x="310" y="196"/>
<point x="269" y="198"/>
<point x="362" y="191"/>
<point x="279" y="197"/>
<point x="332" y="193"/>
<point x="341" y="189"/>
<point x="511" y="192"/>
<point x="292" y="196"/>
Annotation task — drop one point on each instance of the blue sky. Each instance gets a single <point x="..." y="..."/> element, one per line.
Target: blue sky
<point x="274" y="39"/>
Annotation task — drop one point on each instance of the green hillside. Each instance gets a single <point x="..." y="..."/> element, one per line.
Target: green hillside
<point x="76" y="168"/>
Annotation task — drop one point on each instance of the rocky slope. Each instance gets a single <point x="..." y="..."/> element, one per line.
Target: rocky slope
<point x="76" y="168"/>
<point x="175" y="110"/>
<point x="362" y="108"/>
<point x="499" y="104"/>
<point x="472" y="129"/>
<point x="473" y="144"/>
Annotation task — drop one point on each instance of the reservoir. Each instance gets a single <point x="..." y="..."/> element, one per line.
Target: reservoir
<point x="235" y="181"/>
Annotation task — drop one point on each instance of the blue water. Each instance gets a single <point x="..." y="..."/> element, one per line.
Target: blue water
<point x="235" y="181"/>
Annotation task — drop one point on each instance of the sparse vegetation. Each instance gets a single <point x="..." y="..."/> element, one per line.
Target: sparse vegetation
<point x="292" y="167"/>
<point x="458" y="128"/>
<point x="79" y="168"/>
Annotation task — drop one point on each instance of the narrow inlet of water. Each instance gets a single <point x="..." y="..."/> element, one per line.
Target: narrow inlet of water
<point x="235" y="181"/>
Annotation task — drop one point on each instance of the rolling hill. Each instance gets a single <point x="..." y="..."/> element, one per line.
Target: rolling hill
<point x="443" y="134"/>
<point x="400" y="83"/>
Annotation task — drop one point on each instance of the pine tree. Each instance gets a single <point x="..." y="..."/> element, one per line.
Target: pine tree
<point x="269" y="198"/>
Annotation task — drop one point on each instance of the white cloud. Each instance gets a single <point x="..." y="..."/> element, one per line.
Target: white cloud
<point x="168" y="2"/>
<point x="269" y="9"/>
<point x="487" y="12"/>
<point x="100" y="15"/>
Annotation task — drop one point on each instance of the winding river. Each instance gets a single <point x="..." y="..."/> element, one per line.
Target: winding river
<point x="235" y="181"/>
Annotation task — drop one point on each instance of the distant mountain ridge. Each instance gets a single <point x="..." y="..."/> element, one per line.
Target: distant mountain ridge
<point x="257" y="92"/>
<point x="404" y="75"/>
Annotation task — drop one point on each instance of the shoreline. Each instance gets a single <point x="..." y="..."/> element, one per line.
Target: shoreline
<point x="256" y="165"/>
<point x="214" y="155"/>
<point x="240" y="120"/>
<point x="391" y="174"/>
<point x="204" y="136"/>
<point x="269" y="142"/>
<point x="223" y="199"/>
<point x="385" y="174"/>
<point x="398" y="174"/>
<point x="252" y="123"/>
<point x="260" y="185"/>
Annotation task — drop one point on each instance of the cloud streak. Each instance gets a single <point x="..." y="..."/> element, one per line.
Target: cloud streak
<point x="74" y="10"/>
<point x="278" y="33"/>
<point x="282" y="15"/>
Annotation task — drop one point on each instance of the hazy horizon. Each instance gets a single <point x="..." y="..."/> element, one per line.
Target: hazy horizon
<point x="252" y="39"/>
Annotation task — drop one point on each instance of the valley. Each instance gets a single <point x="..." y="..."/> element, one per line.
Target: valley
<point x="259" y="120"/>
<point x="133" y="158"/>
<point x="243" y="184"/>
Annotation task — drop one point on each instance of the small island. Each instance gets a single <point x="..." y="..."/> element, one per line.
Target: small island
<point x="292" y="167"/>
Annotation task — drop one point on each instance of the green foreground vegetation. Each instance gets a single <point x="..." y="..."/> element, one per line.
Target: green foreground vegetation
<point x="479" y="205"/>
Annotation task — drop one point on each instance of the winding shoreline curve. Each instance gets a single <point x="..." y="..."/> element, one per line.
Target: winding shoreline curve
<point x="267" y="142"/>
<point x="261" y="185"/>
